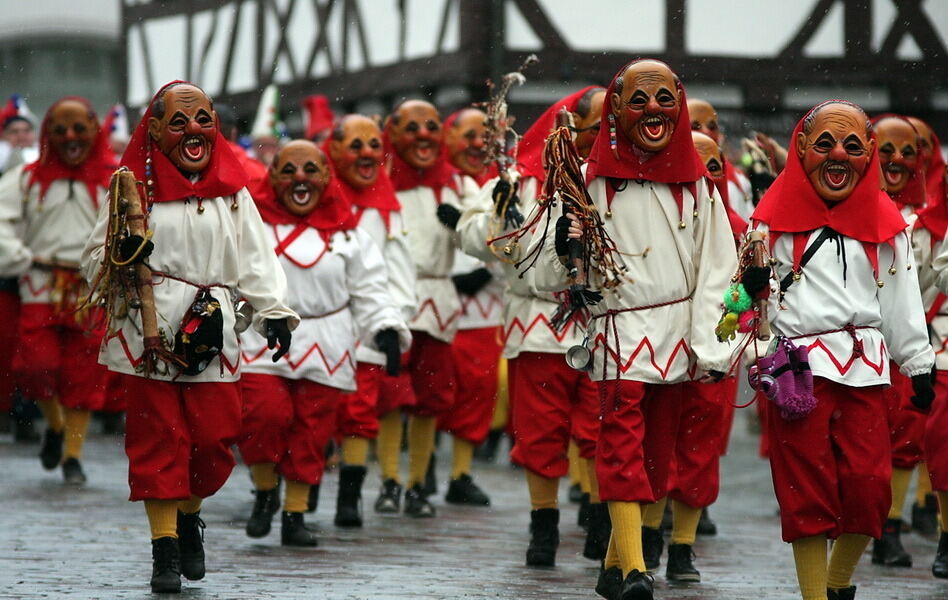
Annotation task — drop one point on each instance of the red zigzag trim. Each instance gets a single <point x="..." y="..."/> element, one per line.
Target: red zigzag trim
<point x="231" y="367"/>
<point x="33" y="291"/>
<point x="843" y="369"/>
<point x="540" y="318"/>
<point x="331" y="369"/>
<point x="682" y="345"/>
<point x="493" y="302"/>
<point x="443" y="325"/>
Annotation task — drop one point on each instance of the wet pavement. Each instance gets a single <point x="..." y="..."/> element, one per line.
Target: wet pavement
<point x="90" y="543"/>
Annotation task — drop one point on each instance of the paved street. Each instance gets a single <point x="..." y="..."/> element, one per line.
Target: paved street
<point x="91" y="543"/>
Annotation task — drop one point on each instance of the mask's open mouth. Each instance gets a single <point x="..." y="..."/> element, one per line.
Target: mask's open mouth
<point x="366" y="168"/>
<point x="302" y="194"/>
<point x="836" y="175"/>
<point x="424" y="150"/>
<point x="194" y="148"/>
<point x="654" y="128"/>
<point x="894" y="173"/>
<point x="72" y="151"/>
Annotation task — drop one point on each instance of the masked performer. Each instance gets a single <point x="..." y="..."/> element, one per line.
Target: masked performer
<point x="355" y="149"/>
<point x="834" y="235"/>
<point x="425" y="185"/>
<point x="49" y="209"/>
<point x="338" y="285"/>
<point x="659" y="232"/>
<point x="208" y="248"/>
<point x="903" y="178"/>
<point x="477" y="345"/>
<point x="551" y="402"/>
<point x="705" y="120"/>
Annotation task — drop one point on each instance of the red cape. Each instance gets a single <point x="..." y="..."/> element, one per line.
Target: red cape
<point x="737" y="222"/>
<point x="677" y="163"/>
<point x="95" y="171"/>
<point x="332" y="214"/>
<point x="223" y="176"/>
<point x="791" y="205"/>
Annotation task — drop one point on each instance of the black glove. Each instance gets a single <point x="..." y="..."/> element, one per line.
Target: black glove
<point x="755" y="279"/>
<point x="387" y="343"/>
<point x="716" y="376"/>
<point x="130" y="246"/>
<point x="923" y="391"/>
<point x="504" y="191"/>
<point x="760" y="183"/>
<point x="278" y="331"/>
<point x="449" y="216"/>
<point x="473" y="282"/>
<point x="561" y="238"/>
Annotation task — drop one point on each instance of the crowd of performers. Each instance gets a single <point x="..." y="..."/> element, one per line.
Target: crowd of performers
<point x="383" y="274"/>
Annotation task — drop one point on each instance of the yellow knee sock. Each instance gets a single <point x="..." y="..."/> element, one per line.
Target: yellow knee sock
<point x="900" y="484"/>
<point x="502" y="406"/>
<point x="264" y="476"/>
<point x="189" y="507"/>
<point x="162" y="518"/>
<point x="76" y="424"/>
<point x="627" y="532"/>
<point x="589" y="468"/>
<point x="463" y="454"/>
<point x="53" y="413"/>
<point x="652" y="514"/>
<point x="843" y="559"/>
<point x="389" y="444"/>
<point x="355" y="451"/>
<point x="421" y="434"/>
<point x="809" y="555"/>
<point x="543" y="490"/>
<point x="684" y="523"/>
<point x="943" y="510"/>
<point x="575" y="468"/>
<point x="297" y="496"/>
<point x="612" y="554"/>
<point x="924" y="485"/>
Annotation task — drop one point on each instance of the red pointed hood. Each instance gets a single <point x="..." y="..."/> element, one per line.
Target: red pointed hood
<point x="95" y="171"/>
<point x="677" y="163"/>
<point x="223" y="176"/>
<point x="791" y="205"/>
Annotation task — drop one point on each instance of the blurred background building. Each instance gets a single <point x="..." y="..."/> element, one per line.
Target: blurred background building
<point x="761" y="62"/>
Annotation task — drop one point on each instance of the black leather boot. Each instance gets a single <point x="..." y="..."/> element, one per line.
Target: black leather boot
<point x="390" y="497"/>
<point x="680" y="566"/>
<point x="293" y="531"/>
<point x="463" y="490"/>
<point x="72" y="472"/>
<point x="609" y="583"/>
<point x="598" y="532"/>
<point x="430" y="487"/>
<point x="417" y="504"/>
<point x="313" y="500"/>
<point x="349" y="499"/>
<point x="51" y="452"/>
<point x="265" y="505"/>
<point x="888" y="549"/>
<point x="925" y="517"/>
<point x="705" y="525"/>
<point x="844" y="594"/>
<point x="582" y="515"/>
<point x="165" y="566"/>
<point x="544" y="537"/>
<point x="940" y="566"/>
<point x="637" y="586"/>
<point x="191" y="543"/>
<point x="652" y="546"/>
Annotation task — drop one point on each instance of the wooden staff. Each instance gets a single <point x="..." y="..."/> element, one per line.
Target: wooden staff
<point x="759" y="258"/>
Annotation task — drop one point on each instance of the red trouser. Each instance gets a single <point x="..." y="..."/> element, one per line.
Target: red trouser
<point x="698" y="446"/>
<point x="936" y="436"/>
<point x="431" y="368"/>
<point x="831" y="469"/>
<point x="178" y="436"/>
<point x="729" y="397"/>
<point x="476" y="353"/>
<point x="57" y="357"/>
<point x="906" y="426"/>
<point x="356" y="415"/>
<point x="287" y="422"/>
<point x="10" y="309"/>
<point x="550" y="403"/>
<point x="384" y="392"/>
<point x="636" y="439"/>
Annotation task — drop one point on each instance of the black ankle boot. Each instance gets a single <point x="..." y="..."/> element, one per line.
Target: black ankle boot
<point x="888" y="549"/>
<point x="843" y="594"/>
<point x="293" y="531"/>
<point x="417" y="504"/>
<point x="637" y="586"/>
<point x="609" y="583"/>
<point x="430" y="487"/>
<point x="390" y="497"/>
<point x="191" y="542"/>
<point x="925" y="517"/>
<point x="463" y="490"/>
<point x="487" y="451"/>
<point x="24" y="431"/>
<point x="668" y="520"/>
<point x="575" y="494"/>
<point x="72" y="472"/>
<point x="680" y="566"/>
<point x="51" y="452"/>
<point x="598" y="532"/>
<point x="265" y="505"/>
<point x="165" y="566"/>
<point x="705" y="525"/>
<point x="313" y="502"/>
<point x="940" y="566"/>
<point x="582" y="515"/>
<point x="652" y="546"/>
<point x="349" y="499"/>
<point x="544" y="537"/>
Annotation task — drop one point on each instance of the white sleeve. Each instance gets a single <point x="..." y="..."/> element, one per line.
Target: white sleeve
<point x="91" y="260"/>
<point x="15" y="257"/>
<point x="401" y="270"/>
<point x="371" y="305"/>
<point x="903" y="317"/>
<point x="261" y="280"/>
<point x="940" y="265"/>
<point x="477" y="222"/>
<point x="716" y="261"/>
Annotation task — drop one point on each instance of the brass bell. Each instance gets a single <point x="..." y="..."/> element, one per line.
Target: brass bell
<point x="880" y="283"/>
<point x="681" y="225"/>
<point x="892" y="270"/>
<point x="608" y="214"/>
<point x="796" y="275"/>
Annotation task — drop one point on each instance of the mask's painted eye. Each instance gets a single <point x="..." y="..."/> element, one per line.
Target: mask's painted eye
<point x="665" y="98"/>
<point x="412" y="127"/>
<point x="432" y="126"/>
<point x="288" y="169"/>
<point x="855" y="149"/>
<point x="311" y="168"/>
<point x="908" y="152"/>
<point x="356" y="144"/>
<point x="375" y="143"/>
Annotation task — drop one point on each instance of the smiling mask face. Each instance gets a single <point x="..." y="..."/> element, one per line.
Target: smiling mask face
<point x="465" y="142"/>
<point x="835" y="149"/>
<point x="186" y="129"/>
<point x="299" y="176"/>
<point x="356" y="151"/>
<point x="72" y="130"/>
<point x="416" y="133"/>
<point x="647" y="105"/>
<point x="898" y="152"/>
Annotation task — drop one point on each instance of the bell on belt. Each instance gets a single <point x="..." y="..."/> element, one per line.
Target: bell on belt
<point x="579" y="357"/>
